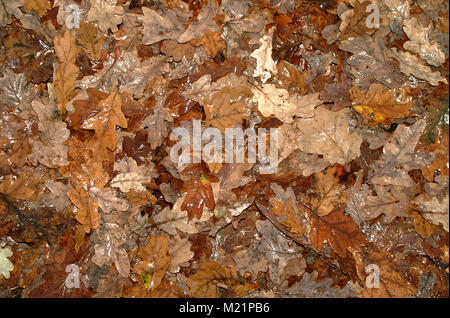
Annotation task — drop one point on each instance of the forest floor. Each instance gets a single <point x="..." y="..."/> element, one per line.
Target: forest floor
<point x="116" y="125"/>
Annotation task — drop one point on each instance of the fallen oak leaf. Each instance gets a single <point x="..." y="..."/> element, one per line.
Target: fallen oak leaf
<point x="392" y="284"/>
<point x="369" y="62"/>
<point x="338" y="229"/>
<point x="205" y="22"/>
<point x="180" y="253"/>
<point x="86" y="108"/>
<point x="280" y="255"/>
<point x="57" y="197"/>
<point x="138" y="198"/>
<point x="225" y="102"/>
<point x="380" y="106"/>
<point x="212" y="42"/>
<point x="67" y="71"/>
<point x="108" y="200"/>
<point x="211" y="274"/>
<point x="285" y="207"/>
<point x="154" y="260"/>
<point x="39" y="6"/>
<point x="131" y="176"/>
<point x="165" y="26"/>
<point x="328" y="193"/>
<point x="104" y="124"/>
<point x="392" y="201"/>
<point x="49" y="149"/>
<point x="329" y="134"/>
<point x="199" y="195"/>
<point x="5" y="264"/>
<point x="171" y="220"/>
<point x="265" y="66"/>
<point x="434" y="202"/>
<point x="12" y="7"/>
<point x="106" y="14"/>
<point x="412" y="65"/>
<point x="157" y="124"/>
<point x="90" y="40"/>
<point x="109" y="239"/>
<point x="278" y="102"/>
<point x="17" y="187"/>
<point x="399" y="157"/>
<point x="419" y="42"/>
<point x="16" y="91"/>
<point x="87" y="214"/>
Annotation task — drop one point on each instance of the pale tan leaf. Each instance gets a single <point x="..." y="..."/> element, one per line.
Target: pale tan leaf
<point x="328" y="134"/>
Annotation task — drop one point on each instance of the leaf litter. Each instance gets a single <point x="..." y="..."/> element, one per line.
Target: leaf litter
<point x="87" y="187"/>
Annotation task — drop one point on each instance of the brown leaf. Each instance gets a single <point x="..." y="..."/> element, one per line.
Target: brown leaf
<point x="339" y="230"/>
<point x="399" y="157"/>
<point x="329" y="134"/>
<point x="104" y="123"/>
<point x="165" y="26"/>
<point x="86" y="108"/>
<point x="212" y="43"/>
<point x="381" y="106"/>
<point x="204" y="23"/>
<point x="108" y="241"/>
<point x="204" y="283"/>
<point x="285" y="206"/>
<point x="17" y="188"/>
<point x="90" y="40"/>
<point x="154" y="260"/>
<point x="131" y="176"/>
<point x="328" y="192"/>
<point x="87" y="213"/>
<point x="139" y="198"/>
<point x="180" y="253"/>
<point x="67" y="72"/>
<point x="106" y="13"/>
<point x="199" y="194"/>
<point x="157" y="125"/>
<point x="392" y="284"/>
<point x="225" y="102"/>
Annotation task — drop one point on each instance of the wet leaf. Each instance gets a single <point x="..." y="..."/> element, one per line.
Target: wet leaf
<point x="67" y="71"/>
<point x="108" y="248"/>
<point x="338" y="230"/>
<point x="329" y="134"/>
<point x="154" y="260"/>
<point x="399" y="156"/>
<point x="106" y="14"/>
<point x="204" y="283"/>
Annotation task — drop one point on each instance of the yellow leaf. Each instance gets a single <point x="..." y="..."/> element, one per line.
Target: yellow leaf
<point x="381" y="106"/>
